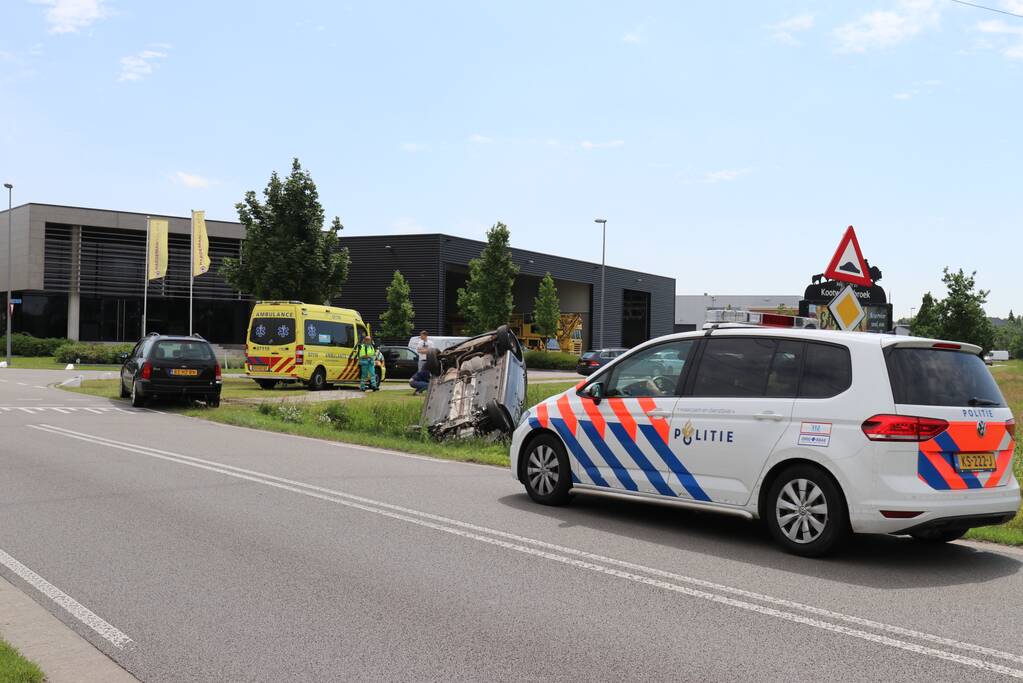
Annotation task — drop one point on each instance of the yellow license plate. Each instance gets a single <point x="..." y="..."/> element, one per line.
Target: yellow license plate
<point x="179" y="372"/>
<point x="976" y="462"/>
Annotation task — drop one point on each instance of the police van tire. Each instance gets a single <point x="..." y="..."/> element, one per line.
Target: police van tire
<point x="546" y="473"/>
<point x="266" y="383"/>
<point x="816" y="528"/>
<point x="319" y="379"/>
<point x="432" y="362"/>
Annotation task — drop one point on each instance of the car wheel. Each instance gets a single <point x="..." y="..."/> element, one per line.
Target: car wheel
<point x="213" y="401"/>
<point x="319" y="379"/>
<point x="546" y="472"/>
<point x="137" y="400"/>
<point x="939" y="535"/>
<point x="805" y="511"/>
<point x="498" y="417"/>
<point x="266" y="383"/>
<point x="432" y="362"/>
<point x="505" y="341"/>
<point x="124" y="392"/>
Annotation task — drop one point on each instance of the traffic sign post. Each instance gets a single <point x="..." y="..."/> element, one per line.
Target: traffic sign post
<point x="848" y="264"/>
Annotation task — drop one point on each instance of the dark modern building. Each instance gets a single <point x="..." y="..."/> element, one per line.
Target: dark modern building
<point x="79" y="273"/>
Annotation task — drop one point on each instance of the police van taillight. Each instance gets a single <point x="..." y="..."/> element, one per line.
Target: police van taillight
<point x="902" y="428"/>
<point x="299" y="354"/>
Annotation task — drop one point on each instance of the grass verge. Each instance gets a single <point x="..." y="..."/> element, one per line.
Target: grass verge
<point x="48" y="363"/>
<point x="16" y="669"/>
<point x="379" y="419"/>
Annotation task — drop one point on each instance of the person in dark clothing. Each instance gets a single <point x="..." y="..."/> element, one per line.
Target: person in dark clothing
<point x="420" y="381"/>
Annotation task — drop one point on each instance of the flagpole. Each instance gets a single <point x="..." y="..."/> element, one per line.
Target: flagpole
<point x="191" y="274"/>
<point x="145" y="275"/>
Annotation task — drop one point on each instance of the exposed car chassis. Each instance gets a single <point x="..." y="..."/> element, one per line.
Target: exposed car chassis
<point x="477" y="388"/>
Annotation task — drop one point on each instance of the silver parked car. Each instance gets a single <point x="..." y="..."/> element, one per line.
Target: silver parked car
<point x="477" y="387"/>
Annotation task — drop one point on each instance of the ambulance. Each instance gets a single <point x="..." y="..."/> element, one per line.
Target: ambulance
<point x="818" y="433"/>
<point x="290" y="341"/>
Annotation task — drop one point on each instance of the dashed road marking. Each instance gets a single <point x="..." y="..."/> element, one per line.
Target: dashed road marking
<point x="95" y="410"/>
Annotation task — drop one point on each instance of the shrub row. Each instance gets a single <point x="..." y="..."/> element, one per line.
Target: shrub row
<point x="80" y="352"/>
<point x="27" y="345"/>
<point x="550" y="360"/>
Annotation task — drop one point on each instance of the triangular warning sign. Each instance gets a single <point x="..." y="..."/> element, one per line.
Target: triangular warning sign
<point x="847" y="264"/>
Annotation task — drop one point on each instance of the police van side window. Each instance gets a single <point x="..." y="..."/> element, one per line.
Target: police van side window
<point x="734" y="367"/>
<point x="652" y="372"/>
<point x="827" y="371"/>
<point x="783" y="378"/>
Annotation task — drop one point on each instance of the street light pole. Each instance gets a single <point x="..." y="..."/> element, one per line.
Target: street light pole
<point x="10" y="190"/>
<point x="603" y="268"/>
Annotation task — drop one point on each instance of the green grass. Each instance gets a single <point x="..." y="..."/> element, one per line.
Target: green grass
<point x="48" y="363"/>
<point x="1010" y="380"/>
<point x="380" y="419"/>
<point x="16" y="669"/>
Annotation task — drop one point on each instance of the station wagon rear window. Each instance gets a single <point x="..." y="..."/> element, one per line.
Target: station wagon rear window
<point x="936" y="377"/>
<point x="182" y="350"/>
<point x="272" y="331"/>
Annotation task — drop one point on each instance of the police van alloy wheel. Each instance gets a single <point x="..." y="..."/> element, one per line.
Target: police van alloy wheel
<point x="939" y="535"/>
<point x="805" y="511"/>
<point x="319" y="379"/>
<point x="137" y="400"/>
<point x="546" y="472"/>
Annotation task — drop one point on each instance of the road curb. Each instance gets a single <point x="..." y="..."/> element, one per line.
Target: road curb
<point x="62" y="654"/>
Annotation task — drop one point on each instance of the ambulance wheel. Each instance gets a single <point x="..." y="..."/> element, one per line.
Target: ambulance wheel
<point x="266" y="383"/>
<point x="805" y="511"/>
<point x="546" y="473"/>
<point x="432" y="362"/>
<point x="319" y="379"/>
<point x="939" y="535"/>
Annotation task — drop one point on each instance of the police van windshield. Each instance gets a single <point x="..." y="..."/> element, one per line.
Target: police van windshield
<point x="272" y="331"/>
<point x="936" y="377"/>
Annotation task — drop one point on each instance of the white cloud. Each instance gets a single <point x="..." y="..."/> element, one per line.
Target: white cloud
<point x="192" y="180"/>
<point x="413" y="147"/>
<point x="633" y="37"/>
<point x="784" y="30"/>
<point x="138" y="66"/>
<point x="904" y="95"/>
<point x="478" y="139"/>
<point x="1009" y="36"/>
<point x="1014" y="6"/>
<point x="886" y="28"/>
<point x="69" y="16"/>
<point x="589" y="144"/>
<point x="726" y="175"/>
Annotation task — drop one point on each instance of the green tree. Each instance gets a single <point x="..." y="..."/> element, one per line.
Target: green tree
<point x="396" y="321"/>
<point x="925" y="322"/>
<point x="486" y="300"/>
<point x="546" y="310"/>
<point x="286" y="253"/>
<point x="960" y="315"/>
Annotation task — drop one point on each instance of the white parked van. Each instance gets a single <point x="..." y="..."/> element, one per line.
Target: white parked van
<point x="818" y="433"/>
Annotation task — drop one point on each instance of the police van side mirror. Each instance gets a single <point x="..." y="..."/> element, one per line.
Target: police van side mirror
<point x="594" y="391"/>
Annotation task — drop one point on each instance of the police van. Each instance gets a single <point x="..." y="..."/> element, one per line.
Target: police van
<point x="290" y="341"/>
<point x="817" y="433"/>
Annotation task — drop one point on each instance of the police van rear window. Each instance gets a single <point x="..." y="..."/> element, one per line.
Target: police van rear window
<point x="272" y="331"/>
<point x="936" y="377"/>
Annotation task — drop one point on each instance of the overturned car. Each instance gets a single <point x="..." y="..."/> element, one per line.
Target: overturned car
<point x="477" y="387"/>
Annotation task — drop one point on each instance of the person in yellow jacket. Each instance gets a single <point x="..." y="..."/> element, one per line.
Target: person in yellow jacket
<point x="366" y="353"/>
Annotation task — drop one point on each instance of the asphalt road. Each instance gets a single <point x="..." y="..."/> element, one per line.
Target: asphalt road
<point x="200" y="552"/>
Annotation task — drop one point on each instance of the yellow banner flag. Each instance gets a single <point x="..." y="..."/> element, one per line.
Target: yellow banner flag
<point x="200" y="244"/>
<point x="157" y="258"/>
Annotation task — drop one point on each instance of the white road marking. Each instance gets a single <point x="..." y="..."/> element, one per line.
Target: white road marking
<point x="589" y="561"/>
<point x="95" y="410"/>
<point x="22" y="384"/>
<point x="73" y="607"/>
<point x="36" y="386"/>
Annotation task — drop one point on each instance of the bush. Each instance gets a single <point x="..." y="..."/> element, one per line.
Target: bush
<point x="79" y="352"/>
<point x="27" y="345"/>
<point x="551" y="360"/>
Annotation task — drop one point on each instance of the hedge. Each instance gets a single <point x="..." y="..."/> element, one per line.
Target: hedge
<point x="27" y="345"/>
<point x="79" y="352"/>
<point x="551" y="360"/>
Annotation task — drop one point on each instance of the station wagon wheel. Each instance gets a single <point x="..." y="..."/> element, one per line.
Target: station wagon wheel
<point x="805" y="511"/>
<point x="545" y="472"/>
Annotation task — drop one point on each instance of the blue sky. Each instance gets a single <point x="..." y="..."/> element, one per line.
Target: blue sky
<point x="727" y="144"/>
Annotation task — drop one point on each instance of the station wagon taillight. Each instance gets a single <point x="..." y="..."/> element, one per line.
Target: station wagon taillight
<point x="299" y="354"/>
<point x="218" y="373"/>
<point x="902" y="428"/>
<point x="147" y="370"/>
